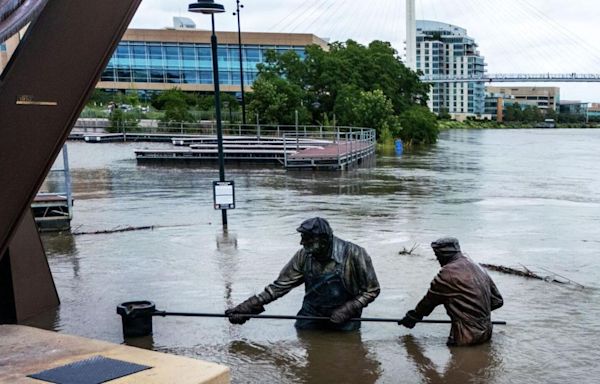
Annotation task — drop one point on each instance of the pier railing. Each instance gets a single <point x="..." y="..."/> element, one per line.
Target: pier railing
<point x="209" y="128"/>
<point x="343" y="148"/>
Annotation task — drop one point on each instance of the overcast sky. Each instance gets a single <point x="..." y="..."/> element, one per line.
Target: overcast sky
<point x="514" y="36"/>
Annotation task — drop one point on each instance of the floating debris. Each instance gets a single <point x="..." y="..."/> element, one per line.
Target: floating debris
<point x="405" y="251"/>
<point x="116" y="230"/>
<point x="526" y="272"/>
<point x="568" y="281"/>
<point x="512" y="271"/>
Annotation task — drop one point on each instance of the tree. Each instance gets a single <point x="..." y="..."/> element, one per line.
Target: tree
<point x="276" y="100"/>
<point x="175" y="103"/>
<point x="360" y="85"/>
<point x="444" y="114"/>
<point x="512" y="112"/>
<point x="419" y="126"/>
<point x="121" y="120"/>
<point x="375" y="110"/>
<point x="100" y="97"/>
<point x="531" y="114"/>
<point x="551" y="114"/>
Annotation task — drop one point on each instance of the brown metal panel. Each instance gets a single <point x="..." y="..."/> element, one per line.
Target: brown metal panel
<point x="8" y="313"/>
<point x="43" y="90"/>
<point x="33" y="287"/>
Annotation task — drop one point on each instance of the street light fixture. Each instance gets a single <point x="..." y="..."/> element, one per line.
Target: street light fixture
<point x="237" y="13"/>
<point x="209" y="7"/>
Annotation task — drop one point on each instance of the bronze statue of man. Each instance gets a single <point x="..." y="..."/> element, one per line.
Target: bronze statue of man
<point x="338" y="277"/>
<point x="466" y="291"/>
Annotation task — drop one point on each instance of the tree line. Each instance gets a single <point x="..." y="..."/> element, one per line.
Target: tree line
<point x="350" y="84"/>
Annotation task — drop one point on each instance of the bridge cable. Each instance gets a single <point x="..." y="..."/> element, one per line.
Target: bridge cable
<point x="595" y="51"/>
<point x="324" y="13"/>
<point x="303" y="5"/>
<point x="518" y="54"/>
<point x="513" y="55"/>
<point x="308" y="16"/>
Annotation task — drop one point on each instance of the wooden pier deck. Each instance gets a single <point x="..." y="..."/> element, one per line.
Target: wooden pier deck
<point x="247" y="149"/>
<point x="275" y="156"/>
<point x="124" y="137"/>
<point x="335" y="156"/>
<point x="51" y="212"/>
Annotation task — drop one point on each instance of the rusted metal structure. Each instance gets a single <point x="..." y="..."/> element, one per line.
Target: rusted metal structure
<point x="42" y="91"/>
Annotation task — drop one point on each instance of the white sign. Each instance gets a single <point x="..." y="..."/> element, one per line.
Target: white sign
<point x="223" y="195"/>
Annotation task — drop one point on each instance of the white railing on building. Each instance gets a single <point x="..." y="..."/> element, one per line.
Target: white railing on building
<point x="514" y="77"/>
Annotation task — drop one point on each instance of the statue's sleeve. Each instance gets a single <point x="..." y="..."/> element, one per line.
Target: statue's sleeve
<point x="291" y="276"/>
<point x="363" y="275"/>
<point x="438" y="293"/>
<point x="496" y="298"/>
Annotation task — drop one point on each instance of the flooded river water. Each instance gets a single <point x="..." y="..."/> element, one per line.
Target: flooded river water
<point x="513" y="197"/>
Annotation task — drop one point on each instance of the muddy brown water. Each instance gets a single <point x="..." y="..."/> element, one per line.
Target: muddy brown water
<point x="512" y="197"/>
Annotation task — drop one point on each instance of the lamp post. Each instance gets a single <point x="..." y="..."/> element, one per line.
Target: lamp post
<point x="209" y="7"/>
<point x="237" y="13"/>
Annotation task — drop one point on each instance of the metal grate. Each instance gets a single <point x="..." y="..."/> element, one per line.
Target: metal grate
<point x="95" y="370"/>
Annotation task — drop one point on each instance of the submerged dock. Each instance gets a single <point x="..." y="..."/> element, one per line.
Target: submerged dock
<point x="315" y="150"/>
<point x="335" y="156"/>
<point x="52" y="212"/>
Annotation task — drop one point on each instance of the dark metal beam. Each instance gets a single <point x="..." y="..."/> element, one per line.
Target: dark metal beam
<point x="44" y="88"/>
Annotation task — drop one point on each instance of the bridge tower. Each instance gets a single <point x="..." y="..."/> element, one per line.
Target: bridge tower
<point x="411" y="35"/>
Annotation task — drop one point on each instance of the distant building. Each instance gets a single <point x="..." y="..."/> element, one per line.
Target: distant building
<point x="495" y="103"/>
<point x="594" y="111"/>
<point x="573" y="107"/>
<point x="445" y="49"/>
<point x="160" y="59"/>
<point x="543" y="98"/>
<point x="183" y="23"/>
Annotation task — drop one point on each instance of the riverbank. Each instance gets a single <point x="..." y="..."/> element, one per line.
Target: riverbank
<point x="487" y="124"/>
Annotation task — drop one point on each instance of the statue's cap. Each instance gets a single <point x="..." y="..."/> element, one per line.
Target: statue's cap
<point x="317" y="226"/>
<point x="446" y="244"/>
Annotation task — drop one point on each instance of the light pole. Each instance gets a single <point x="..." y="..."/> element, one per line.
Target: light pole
<point x="237" y="13"/>
<point x="209" y="7"/>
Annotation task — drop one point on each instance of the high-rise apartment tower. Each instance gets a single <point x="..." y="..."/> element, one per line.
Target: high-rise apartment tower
<point x="446" y="50"/>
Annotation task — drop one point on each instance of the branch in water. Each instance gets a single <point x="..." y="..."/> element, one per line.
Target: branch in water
<point x="511" y="271"/>
<point x="529" y="274"/>
<point x="126" y="229"/>
<point x="405" y="251"/>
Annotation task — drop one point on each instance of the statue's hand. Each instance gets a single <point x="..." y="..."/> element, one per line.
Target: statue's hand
<point x="251" y="306"/>
<point x="346" y="311"/>
<point x="410" y="319"/>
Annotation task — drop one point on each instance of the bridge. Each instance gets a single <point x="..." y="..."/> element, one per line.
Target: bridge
<point x="514" y="78"/>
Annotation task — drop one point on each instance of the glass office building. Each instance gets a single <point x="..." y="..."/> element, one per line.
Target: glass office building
<point x="445" y="49"/>
<point x="163" y="59"/>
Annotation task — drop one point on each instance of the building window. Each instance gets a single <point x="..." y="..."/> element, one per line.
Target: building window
<point x="160" y="62"/>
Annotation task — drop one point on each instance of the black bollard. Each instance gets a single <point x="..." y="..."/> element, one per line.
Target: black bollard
<point x="136" y="317"/>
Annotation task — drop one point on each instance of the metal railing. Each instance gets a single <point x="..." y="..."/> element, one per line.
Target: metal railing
<point x="351" y="144"/>
<point x="514" y="77"/>
<point x="210" y="128"/>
